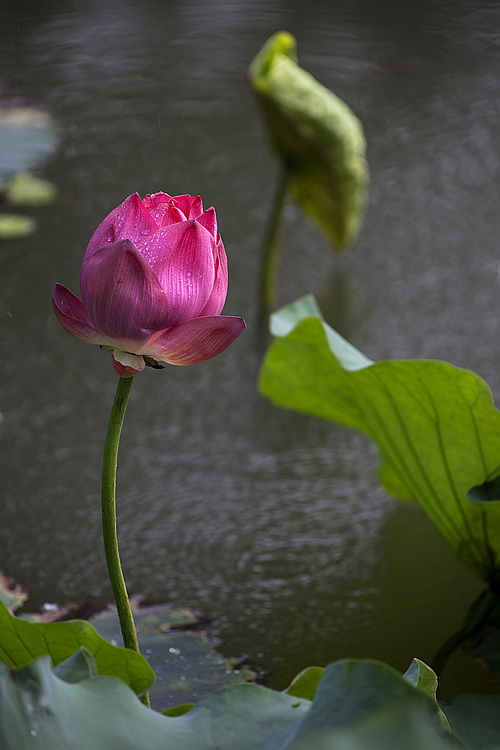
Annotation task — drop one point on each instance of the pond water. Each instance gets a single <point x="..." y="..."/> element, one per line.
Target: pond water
<point x="271" y="523"/>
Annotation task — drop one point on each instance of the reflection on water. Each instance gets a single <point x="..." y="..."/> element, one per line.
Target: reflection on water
<point x="268" y="521"/>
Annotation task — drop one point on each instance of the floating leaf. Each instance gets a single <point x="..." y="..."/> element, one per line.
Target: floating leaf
<point x="24" y="189"/>
<point x="185" y="663"/>
<point x="27" y="137"/>
<point x="21" y="642"/>
<point x="318" y="138"/>
<point x="436" y="426"/>
<point x="13" y="226"/>
<point x="359" y="705"/>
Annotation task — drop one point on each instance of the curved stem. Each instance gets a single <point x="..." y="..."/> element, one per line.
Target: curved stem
<point x="270" y="251"/>
<point x="108" y="504"/>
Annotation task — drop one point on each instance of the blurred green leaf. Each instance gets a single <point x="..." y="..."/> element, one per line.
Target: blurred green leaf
<point x="475" y="718"/>
<point x="13" y="226"/>
<point x="359" y="705"/>
<point x="27" y="137"/>
<point x="318" y="138"/>
<point x="77" y="667"/>
<point x="24" y="189"/>
<point x="423" y="678"/>
<point x="178" y="710"/>
<point x="305" y="684"/>
<point x="436" y="426"/>
<point x="21" y="642"/>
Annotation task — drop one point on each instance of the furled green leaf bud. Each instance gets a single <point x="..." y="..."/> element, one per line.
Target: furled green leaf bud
<point x="317" y="136"/>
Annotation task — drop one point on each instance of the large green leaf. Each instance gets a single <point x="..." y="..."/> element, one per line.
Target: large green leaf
<point x="318" y="138"/>
<point x="436" y="426"/>
<point x="359" y="705"/>
<point x="21" y="642"/>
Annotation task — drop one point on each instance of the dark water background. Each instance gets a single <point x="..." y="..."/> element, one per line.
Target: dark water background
<point x="269" y="522"/>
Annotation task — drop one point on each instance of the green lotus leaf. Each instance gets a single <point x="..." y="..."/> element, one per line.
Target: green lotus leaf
<point x="22" y="641"/>
<point x="436" y="426"/>
<point x="359" y="705"/>
<point x="318" y="138"/>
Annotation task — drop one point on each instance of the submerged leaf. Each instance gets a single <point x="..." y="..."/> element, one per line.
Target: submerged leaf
<point x="436" y="425"/>
<point x="318" y="138"/>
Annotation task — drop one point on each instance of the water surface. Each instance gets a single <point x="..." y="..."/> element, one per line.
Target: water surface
<point x="269" y="522"/>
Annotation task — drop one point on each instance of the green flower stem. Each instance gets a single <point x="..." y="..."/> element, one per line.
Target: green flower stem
<point x="110" y="537"/>
<point x="270" y="251"/>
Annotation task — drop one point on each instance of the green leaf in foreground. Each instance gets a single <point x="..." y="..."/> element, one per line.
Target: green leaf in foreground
<point x="359" y="705"/>
<point x="475" y="718"/>
<point x="305" y="684"/>
<point x="423" y="678"/>
<point x="21" y="642"/>
<point x="318" y="138"/>
<point x="436" y="425"/>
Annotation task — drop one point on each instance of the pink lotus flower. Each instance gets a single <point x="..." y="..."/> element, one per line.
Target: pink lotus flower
<point x="153" y="284"/>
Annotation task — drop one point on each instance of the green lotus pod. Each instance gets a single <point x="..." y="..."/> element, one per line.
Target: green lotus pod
<point x="318" y="137"/>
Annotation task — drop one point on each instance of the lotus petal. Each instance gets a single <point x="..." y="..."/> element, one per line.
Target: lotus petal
<point x="195" y="340"/>
<point x="130" y="221"/>
<point x="182" y="257"/>
<point x="122" y="296"/>
<point x="219" y="292"/>
<point x="71" y="314"/>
